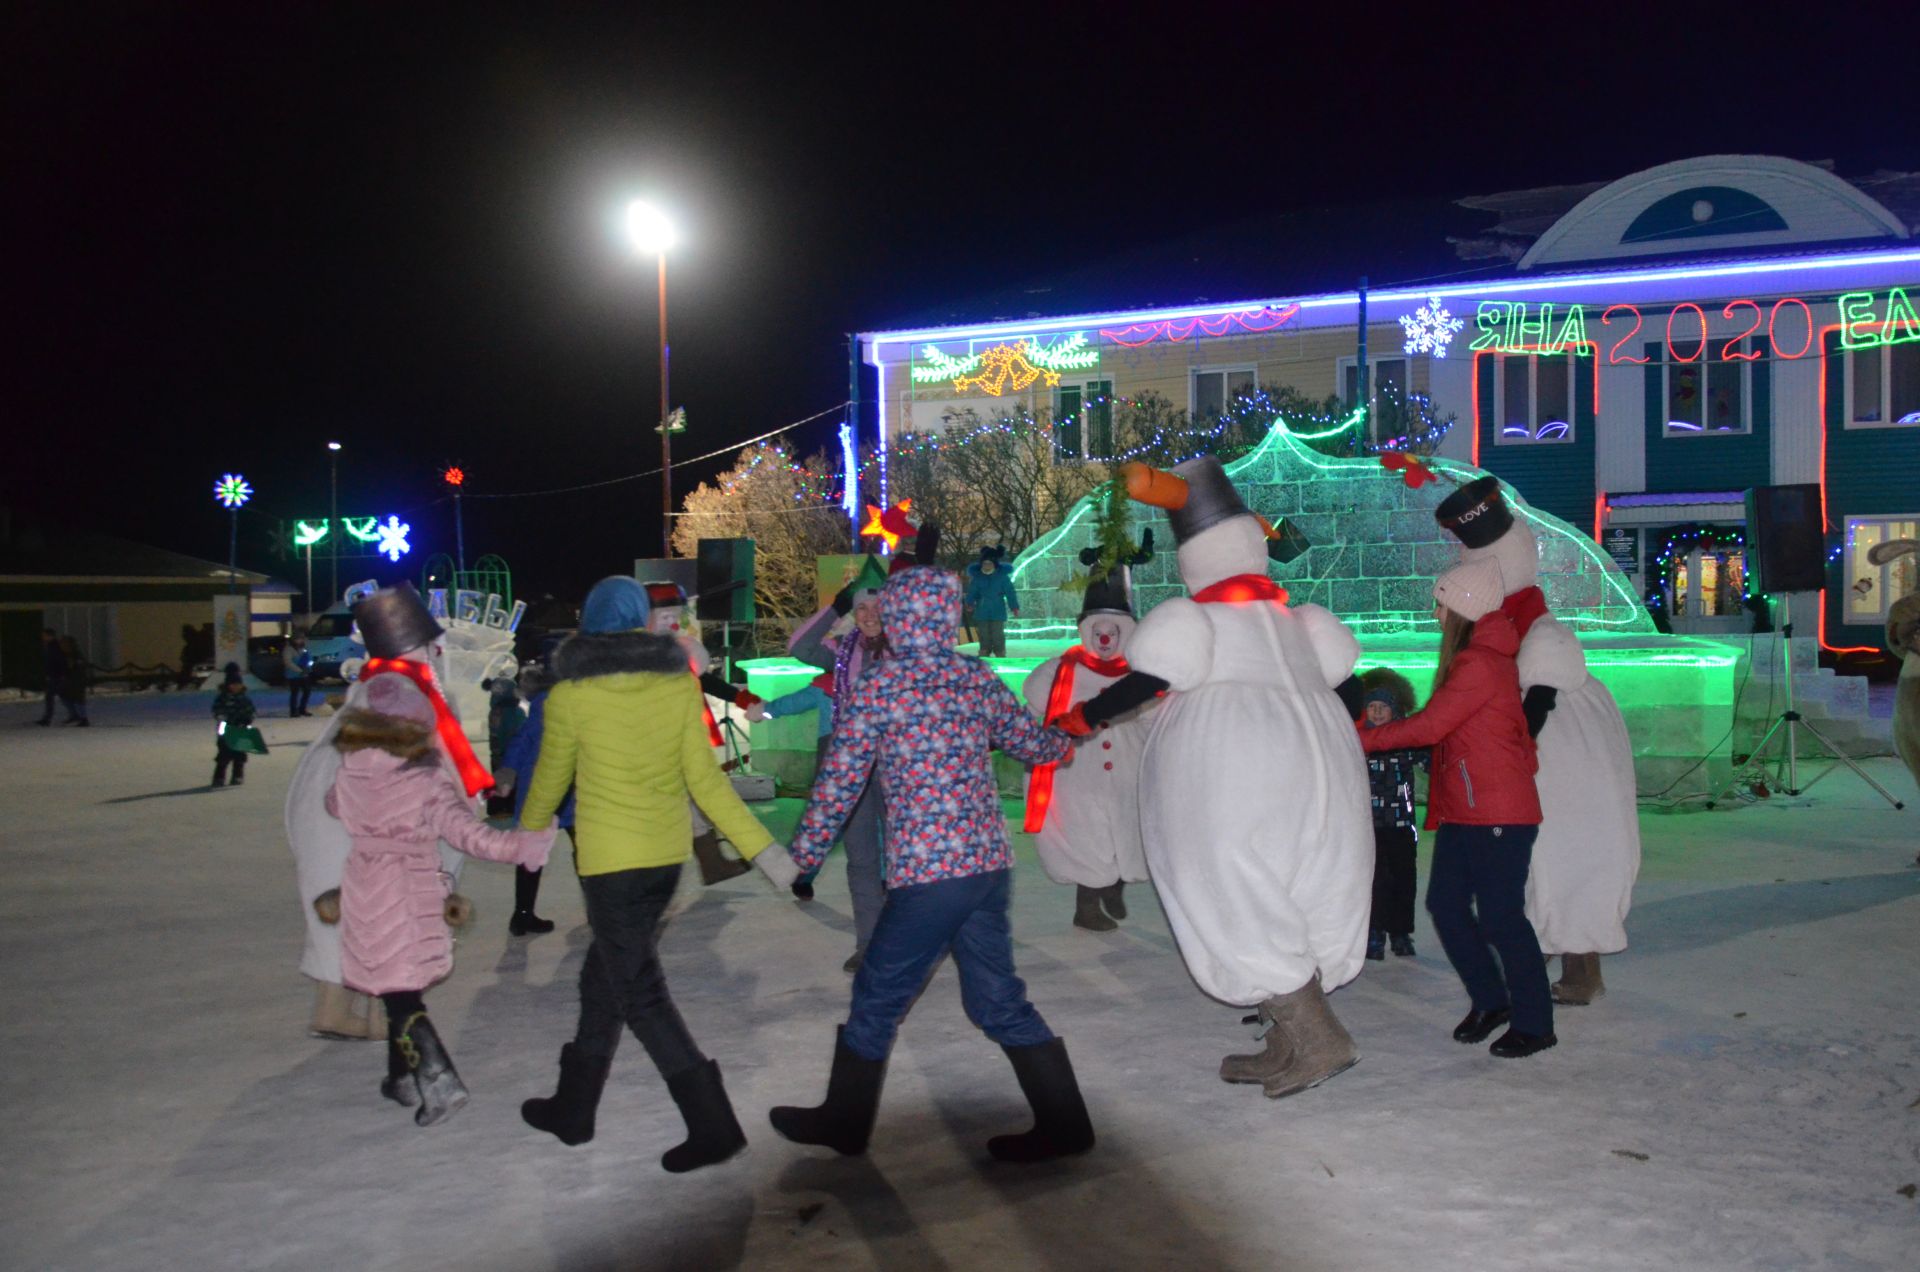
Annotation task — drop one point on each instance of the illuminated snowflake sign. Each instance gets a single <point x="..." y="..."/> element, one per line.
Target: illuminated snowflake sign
<point x="393" y="538"/>
<point x="1430" y="328"/>
<point x="232" y="490"/>
<point x="454" y="476"/>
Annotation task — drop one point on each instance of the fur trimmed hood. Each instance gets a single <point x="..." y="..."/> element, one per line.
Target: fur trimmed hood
<point x="364" y="730"/>
<point x="1376" y="678"/>
<point x="590" y="654"/>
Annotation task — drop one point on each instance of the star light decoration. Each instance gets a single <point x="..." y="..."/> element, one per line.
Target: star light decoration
<point x="232" y="490"/>
<point x="454" y="476"/>
<point x="889" y="526"/>
<point x="1430" y="328"/>
<point x="393" y="538"/>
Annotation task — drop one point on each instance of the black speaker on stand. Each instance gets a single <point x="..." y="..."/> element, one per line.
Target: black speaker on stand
<point x="1786" y="553"/>
<point x="723" y="589"/>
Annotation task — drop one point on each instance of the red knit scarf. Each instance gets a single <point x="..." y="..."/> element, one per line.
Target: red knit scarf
<point x="473" y="774"/>
<point x="1059" y="702"/>
<point x="1242" y="587"/>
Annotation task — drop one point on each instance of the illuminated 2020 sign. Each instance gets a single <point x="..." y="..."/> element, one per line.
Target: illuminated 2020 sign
<point x="1867" y="319"/>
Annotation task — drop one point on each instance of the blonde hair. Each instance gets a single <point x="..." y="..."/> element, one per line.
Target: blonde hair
<point x="1455" y="632"/>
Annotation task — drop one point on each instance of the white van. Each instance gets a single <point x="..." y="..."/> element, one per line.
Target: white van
<point x="330" y="641"/>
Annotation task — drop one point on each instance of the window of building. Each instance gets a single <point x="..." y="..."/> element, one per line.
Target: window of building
<point x="1083" y="419"/>
<point x="1872" y="588"/>
<point x="1886" y="386"/>
<point x="1215" y="388"/>
<point x="1386" y="382"/>
<point x="1710" y="396"/>
<point x="1533" y="397"/>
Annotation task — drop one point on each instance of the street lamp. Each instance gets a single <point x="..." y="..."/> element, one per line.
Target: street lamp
<point x="651" y="233"/>
<point x="333" y="520"/>
<point x="230" y="492"/>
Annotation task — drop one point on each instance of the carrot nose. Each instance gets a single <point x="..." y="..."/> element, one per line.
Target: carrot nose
<point x="1151" y="486"/>
<point x="1266" y="526"/>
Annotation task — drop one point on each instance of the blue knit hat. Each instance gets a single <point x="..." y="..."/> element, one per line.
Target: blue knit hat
<point x="616" y="604"/>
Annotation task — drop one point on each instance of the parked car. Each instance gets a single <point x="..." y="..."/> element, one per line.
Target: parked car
<point x="330" y="641"/>
<point x="263" y="659"/>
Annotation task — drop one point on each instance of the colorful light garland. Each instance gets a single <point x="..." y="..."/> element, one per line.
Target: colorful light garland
<point x="305" y="536"/>
<point x="1256" y="321"/>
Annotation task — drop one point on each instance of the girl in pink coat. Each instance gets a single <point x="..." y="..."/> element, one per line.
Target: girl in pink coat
<point x="395" y="799"/>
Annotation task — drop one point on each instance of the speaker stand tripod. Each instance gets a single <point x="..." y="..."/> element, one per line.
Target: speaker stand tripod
<point x="1787" y="726"/>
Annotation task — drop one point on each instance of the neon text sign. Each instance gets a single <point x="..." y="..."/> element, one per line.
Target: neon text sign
<point x="1867" y="319"/>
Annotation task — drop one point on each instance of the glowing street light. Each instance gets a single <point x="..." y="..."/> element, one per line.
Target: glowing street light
<point x="652" y="234"/>
<point x="333" y="519"/>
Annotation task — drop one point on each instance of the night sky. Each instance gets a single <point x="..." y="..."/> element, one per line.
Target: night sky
<point x="241" y="230"/>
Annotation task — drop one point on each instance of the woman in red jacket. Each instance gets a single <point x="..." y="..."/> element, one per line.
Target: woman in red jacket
<point x="1482" y="799"/>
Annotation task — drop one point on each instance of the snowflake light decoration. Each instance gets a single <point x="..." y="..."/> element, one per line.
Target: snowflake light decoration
<point x="393" y="538"/>
<point x="1430" y="328"/>
<point x="232" y="490"/>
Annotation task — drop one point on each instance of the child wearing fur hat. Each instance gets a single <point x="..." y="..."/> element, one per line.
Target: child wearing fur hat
<point x="1396" y="834"/>
<point x="1483" y="804"/>
<point x="397" y="805"/>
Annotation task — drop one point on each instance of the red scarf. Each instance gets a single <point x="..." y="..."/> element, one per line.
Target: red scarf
<point x="1059" y="702"/>
<point x="473" y="774"/>
<point x="1523" y="607"/>
<point x="1242" y="587"/>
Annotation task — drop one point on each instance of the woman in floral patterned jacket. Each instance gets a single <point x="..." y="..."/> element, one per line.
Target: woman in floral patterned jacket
<point x="931" y="717"/>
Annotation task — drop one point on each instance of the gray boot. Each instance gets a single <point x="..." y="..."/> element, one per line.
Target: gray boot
<point x="1313" y="1046"/>
<point x="1579" y="982"/>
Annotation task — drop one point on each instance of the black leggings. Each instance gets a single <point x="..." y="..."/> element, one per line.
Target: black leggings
<point x="622" y="982"/>
<point x="401" y="1007"/>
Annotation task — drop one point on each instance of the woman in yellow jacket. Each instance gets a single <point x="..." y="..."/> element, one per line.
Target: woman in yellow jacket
<point x="625" y="730"/>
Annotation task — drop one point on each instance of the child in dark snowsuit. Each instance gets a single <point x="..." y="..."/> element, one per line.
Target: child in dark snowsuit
<point x="1396" y="834"/>
<point x="236" y="736"/>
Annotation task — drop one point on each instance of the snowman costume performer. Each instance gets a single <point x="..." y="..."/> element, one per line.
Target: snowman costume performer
<point x="1588" y="853"/>
<point x="402" y="638"/>
<point x="1085" y="817"/>
<point x="1254" y="803"/>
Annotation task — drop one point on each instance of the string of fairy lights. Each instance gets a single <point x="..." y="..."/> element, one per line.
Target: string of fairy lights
<point x="1250" y="417"/>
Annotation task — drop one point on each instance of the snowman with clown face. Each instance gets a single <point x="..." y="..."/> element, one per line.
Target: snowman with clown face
<point x="1254" y="807"/>
<point x="1085" y="816"/>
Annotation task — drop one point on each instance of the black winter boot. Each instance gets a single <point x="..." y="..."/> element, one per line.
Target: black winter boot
<point x="1086" y="910"/>
<point x="567" y="1114"/>
<point x="713" y="1133"/>
<point x="441" y="1091"/>
<point x="239" y="767"/>
<point x="220" y="769"/>
<point x="1061" y="1126"/>
<point x="526" y="890"/>
<point x="1114" y="898"/>
<point x="398" y="1085"/>
<point x="845" y="1122"/>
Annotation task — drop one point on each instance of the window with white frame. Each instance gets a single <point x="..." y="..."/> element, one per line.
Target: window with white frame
<point x="1386" y="377"/>
<point x="1083" y="419"/>
<point x="1885" y="386"/>
<point x="1711" y="396"/>
<point x="1872" y="588"/>
<point x="1533" y="398"/>
<point x="1215" y="388"/>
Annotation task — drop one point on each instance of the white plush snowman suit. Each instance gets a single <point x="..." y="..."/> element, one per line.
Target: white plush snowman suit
<point x="320" y="842"/>
<point x="1588" y="852"/>
<point x="1253" y="791"/>
<point x="1092" y="833"/>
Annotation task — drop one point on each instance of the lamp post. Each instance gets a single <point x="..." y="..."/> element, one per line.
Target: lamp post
<point x="456" y="477"/>
<point x="651" y="232"/>
<point x="230" y="492"/>
<point x="333" y="519"/>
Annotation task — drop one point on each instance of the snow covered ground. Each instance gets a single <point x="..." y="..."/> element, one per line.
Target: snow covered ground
<point x="1744" y="1097"/>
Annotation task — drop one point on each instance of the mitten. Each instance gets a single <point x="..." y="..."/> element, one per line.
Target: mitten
<point x="327" y="906"/>
<point x="777" y="864"/>
<point x="458" y="910"/>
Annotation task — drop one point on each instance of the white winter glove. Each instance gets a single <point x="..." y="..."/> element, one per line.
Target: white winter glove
<point x="777" y="865"/>
<point x="756" y="712"/>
